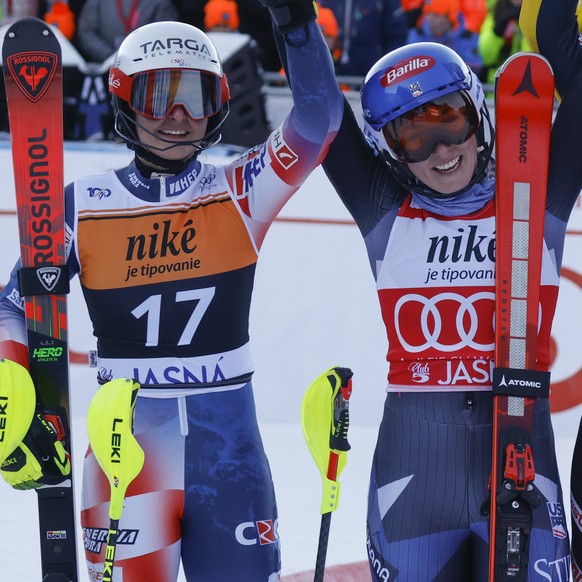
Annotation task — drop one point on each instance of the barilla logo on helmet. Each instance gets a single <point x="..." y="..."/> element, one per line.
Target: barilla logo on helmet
<point x="406" y="68"/>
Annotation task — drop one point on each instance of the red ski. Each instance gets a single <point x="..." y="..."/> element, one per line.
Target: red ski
<point x="31" y="59"/>
<point x="523" y="111"/>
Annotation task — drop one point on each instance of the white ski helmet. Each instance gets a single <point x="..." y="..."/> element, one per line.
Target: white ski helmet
<point x="164" y="64"/>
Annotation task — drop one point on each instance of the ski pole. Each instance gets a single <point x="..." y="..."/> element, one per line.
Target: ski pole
<point x="17" y="405"/>
<point x="325" y="423"/>
<point x="110" y="428"/>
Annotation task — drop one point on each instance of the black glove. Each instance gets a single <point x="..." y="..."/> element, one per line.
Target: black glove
<point x="504" y="18"/>
<point x="41" y="458"/>
<point x="290" y="14"/>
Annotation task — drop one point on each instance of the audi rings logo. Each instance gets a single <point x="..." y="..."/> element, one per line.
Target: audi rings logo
<point x="433" y="312"/>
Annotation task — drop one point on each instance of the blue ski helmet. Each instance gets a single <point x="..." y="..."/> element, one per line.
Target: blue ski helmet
<point x="409" y="77"/>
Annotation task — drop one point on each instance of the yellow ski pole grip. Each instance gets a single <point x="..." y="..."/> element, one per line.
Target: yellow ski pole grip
<point x="17" y="405"/>
<point x="110" y="428"/>
<point x="325" y="421"/>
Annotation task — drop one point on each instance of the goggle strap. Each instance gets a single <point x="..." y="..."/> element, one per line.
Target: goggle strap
<point x="120" y="84"/>
<point x="224" y="89"/>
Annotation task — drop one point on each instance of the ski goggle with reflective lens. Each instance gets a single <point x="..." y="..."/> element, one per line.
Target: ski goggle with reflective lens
<point x="413" y="136"/>
<point x="155" y="93"/>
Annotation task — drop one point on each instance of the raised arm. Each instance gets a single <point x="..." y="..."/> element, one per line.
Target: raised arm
<point x="317" y="100"/>
<point x="551" y="28"/>
<point x="266" y="177"/>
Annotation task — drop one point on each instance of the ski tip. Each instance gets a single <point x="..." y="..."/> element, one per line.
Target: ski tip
<point x="525" y="74"/>
<point x="523" y="60"/>
<point x="32" y="33"/>
<point x="31" y="57"/>
<point x="28" y="25"/>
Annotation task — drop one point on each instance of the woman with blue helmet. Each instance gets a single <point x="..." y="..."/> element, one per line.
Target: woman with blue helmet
<point x="423" y="198"/>
<point x="418" y="97"/>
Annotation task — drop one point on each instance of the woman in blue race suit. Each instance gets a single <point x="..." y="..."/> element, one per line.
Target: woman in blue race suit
<point x="419" y="181"/>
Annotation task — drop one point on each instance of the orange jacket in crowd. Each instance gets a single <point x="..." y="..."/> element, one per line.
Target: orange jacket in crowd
<point x="473" y="11"/>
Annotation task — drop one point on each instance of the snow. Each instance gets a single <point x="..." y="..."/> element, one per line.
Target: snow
<point x="314" y="307"/>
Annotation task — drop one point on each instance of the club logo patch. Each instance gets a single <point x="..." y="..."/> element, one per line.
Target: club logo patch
<point x="49" y="277"/>
<point x="33" y="72"/>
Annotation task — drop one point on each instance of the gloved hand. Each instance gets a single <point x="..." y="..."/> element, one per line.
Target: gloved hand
<point x="41" y="458"/>
<point x="506" y="19"/>
<point x="290" y="14"/>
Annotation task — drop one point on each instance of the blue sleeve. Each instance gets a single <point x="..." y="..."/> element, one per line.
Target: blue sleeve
<point x="10" y="299"/>
<point x="317" y="99"/>
<point x="12" y="324"/>
<point x="72" y="262"/>
<point x="10" y="296"/>
<point x="551" y="28"/>
<point x="361" y="178"/>
<point x="565" y="171"/>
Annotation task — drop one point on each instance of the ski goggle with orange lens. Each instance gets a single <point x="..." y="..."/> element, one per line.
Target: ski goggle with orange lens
<point x="451" y="119"/>
<point x="155" y="93"/>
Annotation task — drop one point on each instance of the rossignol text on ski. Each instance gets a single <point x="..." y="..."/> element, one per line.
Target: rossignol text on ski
<point x="31" y="57"/>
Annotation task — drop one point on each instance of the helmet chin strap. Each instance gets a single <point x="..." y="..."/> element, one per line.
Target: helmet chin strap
<point x="148" y="154"/>
<point x="152" y="162"/>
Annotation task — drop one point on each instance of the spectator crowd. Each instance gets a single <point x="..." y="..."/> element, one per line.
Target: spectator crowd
<point x="358" y="32"/>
